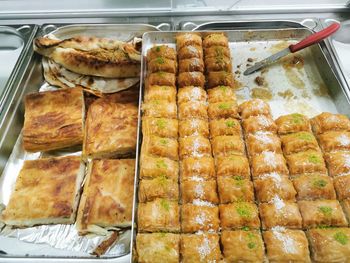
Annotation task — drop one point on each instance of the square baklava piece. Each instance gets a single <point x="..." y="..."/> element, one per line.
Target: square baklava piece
<point x="293" y="123"/>
<point x="254" y="124"/>
<point x="299" y="142"/>
<point x="199" y="189"/>
<point x="159" y="187"/>
<point x="326" y="121"/>
<point x="280" y="213"/>
<point x="329" y="245"/>
<point x="234" y="165"/>
<point x="110" y="129"/>
<point x="155" y="247"/>
<point x="342" y="186"/>
<point x="335" y="141"/>
<point x="263" y="141"/>
<point x="306" y="162"/>
<point x="284" y="245"/>
<point x="53" y="120"/>
<point x="268" y="162"/>
<point x="47" y="191"/>
<point x="154" y="167"/>
<point x="238" y="215"/>
<point x="322" y="213"/>
<point x="202" y="247"/>
<point x="338" y="163"/>
<point x="197" y="167"/>
<point x="243" y="246"/>
<point x="235" y="189"/>
<point x="254" y="107"/>
<point x="160" y="215"/>
<point x="107" y="199"/>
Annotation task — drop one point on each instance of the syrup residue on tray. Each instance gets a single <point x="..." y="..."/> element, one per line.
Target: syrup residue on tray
<point x="261" y="93"/>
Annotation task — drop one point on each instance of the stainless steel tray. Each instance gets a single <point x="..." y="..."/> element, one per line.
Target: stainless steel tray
<point x="320" y="89"/>
<point x="12" y="155"/>
<point x="15" y="41"/>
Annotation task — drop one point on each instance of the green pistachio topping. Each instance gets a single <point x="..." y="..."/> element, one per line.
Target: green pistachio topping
<point x="325" y="210"/>
<point x="224" y="106"/>
<point x="341" y="238"/>
<point x="320" y="183"/>
<point x="313" y="158"/>
<point x="161" y="123"/>
<point x="165" y="204"/>
<point x="161" y="164"/>
<point x="230" y="124"/>
<point x="244" y="210"/>
<point x="163" y="141"/>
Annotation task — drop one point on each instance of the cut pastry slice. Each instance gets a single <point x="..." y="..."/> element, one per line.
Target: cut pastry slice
<point x="299" y="142"/>
<point x="228" y="126"/>
<point x="156" y="92"/>
<point x="306" y="162"/>
<point x="193" y="127"/>
<point x="341" y="185"/>
<point x="47" y="191"/>
<point x="268" y="162"/>
<point x="293" y="123"/>
<point x="221" y="94"/>
<point x="335" y="141"/>
<point x="228" y="145"/>
<point x="254" y="107"/>
<point x="330" y="122"/>
<point x="238" y="215"/>
<point x="92" y="56"/>
<point x="338" y="163"/>
<point x="260" y="142"/>
<point x="259" y="123"/>
<point x="53" y="120"/>
<point x="199" y="189"/>
<point x="159" y="187"/>
<point x="235" y="189"/>
<point x="197" y="167"/>
<point x="234" y="165"/>
<point x="107" y="198"/>
<point x="57" y="75"/>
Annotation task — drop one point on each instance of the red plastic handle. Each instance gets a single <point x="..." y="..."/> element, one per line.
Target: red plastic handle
<point x="315" y="38"/>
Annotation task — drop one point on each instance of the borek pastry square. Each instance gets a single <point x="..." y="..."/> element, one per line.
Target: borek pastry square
<point x="155" y="247"/>
<point x="227" y="126"/>
<point x="329" y="245"/>
<point x="53" y="120"/>
<point x="242" y="246"/>
<point x="221" y="94"/>
<point x="194" y="146"/>
<point x="235" y="189"/>
<point x="254" y="107"/>
<point x="159" y="187"/>
<point x="46" y="192"/>
<point x="202" y="167"/>
<point x="220" y="78"/>
<point x="338" y="163"/>
<point x="334" y="141"/>
<point x="226" y="109"/>
<point x="160" y="109"/>
<point x="299" y="142"/>
<point x="194" y="78"/>
<point x="342" y="186"/>
<point x="200" y="248"/>
<point x="217" y="51"/>
<point x="191" y="64"/>
<point x="268" y="162"/>
<point x="155" y="92"/>
<point x="314" y="186"/>
<point x="191" y="51"/>
<point x="234" y="165"/>
<point x="160" y="215"/>
<point x="270" y="185"/>
<point x="193" y="109"/>
<point x="163" y="51"/>
<point x="228" y="145"/>
<point x="285" y="245"/>
<point x="162" y="64"/>
<point x="263" y="141"/>
<point x="160" y="147"/>
<point x="199" y="189"/>
<point x="192" y="127"/>
<point x="107" y="199"/>
<point x="280" y="213"/>
<point x="218" y="64"/>
<point x="187" y="39"/>
<point x="152" y="167"/>
<point x="161" y="127"/>
<point x="330" y="122"/>
<point x="215" y="39"/>
<point x="254" y="124"/>
<point x="190" y="94"/>
<point x="200" y="216"/>
<point x="161" y="78"/>
<point x="322" y="213"/>
<point x="293" y="123"/>
<point x="238" y="215"/>
<point x="306" y="162"/>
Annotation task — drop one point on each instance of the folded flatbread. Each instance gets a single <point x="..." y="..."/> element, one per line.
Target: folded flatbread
<point x="59" y="76"/>
<point x="94" y="56"/>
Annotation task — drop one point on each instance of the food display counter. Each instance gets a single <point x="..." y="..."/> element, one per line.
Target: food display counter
<point x="129" y="133"/>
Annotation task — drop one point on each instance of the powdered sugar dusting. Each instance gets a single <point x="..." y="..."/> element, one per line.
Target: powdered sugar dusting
<point x="263" y="121"/>
<point x="278" y="202"/>
<point x="346" y="160"/>
<point x="263" y="137"/>
<point x="270" y="158"/>
<point x="199" y="202"/>
<point x="196" y="179"/>
<point x="288" y="243"/>
<point x="276" y="177"/>
<point x="199" y="190"/>
<point x="204" y="249"/>
<point x="196" y="147"/>
<point x="195" y="94"/>
<point x="343" y="140"/>
<point x="201" y="219"/>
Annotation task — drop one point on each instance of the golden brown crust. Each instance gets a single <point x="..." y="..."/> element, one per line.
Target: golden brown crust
<point x="238" y="215"/>
<point x="263" y="141"/>
<point x="159" y="187"/>
<point x="228" y="145"/>
<point x="235" y="189"/>
<point x="110" y="129"/>
<point x="160" y="109"/>
<point x="192" y="127"/>
<point x="306" y="162"/>
<point x="215" y="39"/>
<point x="322" y="213"/>
<point x="226" y="109"/>
<point x="190" y="51"/>
<point x="254" y="107"/>
<point x="293" y="123"/>
<point x="191" y="79"/>
<point x="162" y="64"/>
<point x="163" y="51"/>
<point x="220" y="78"/>
<point x="330" y="122"/>
<point x="221" y="94"/>
<point x="188" y="39"/>
<point x="161" y="78"/>
<point x="191" y="94"/>
<point x="219" y="63"/>
<point x="229" y="126"/>
<point x="341" y="185"/>
<point x="233" y="165"/>
<point x="46" y="192"/>
<point x="106" y="200"/>
<point x="268" y="162"/>
<point x="193" y="109"/>
<point x="160" y="147"/>
<point x="161" y="127"/>
<point x="335" y="141"/>
<point x="202" y="167"/>
<point x="53" y="119"/>
<point x="217" y="51"/>
<point x="259" y="123"/>
<point x="152" y="167"/>
<point x="155" y="92"/>
<point x="92" y="56"/>
<point x="299" y="142"/>
<point x="201" y="190"/>
<point x="194" y="146"/>
<point x="191" y="64"/>
<point x="338" y="163"/>
<point x="243" y="246"/>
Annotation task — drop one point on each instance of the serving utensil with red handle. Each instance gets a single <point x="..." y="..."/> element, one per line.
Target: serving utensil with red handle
<point x="306" y="42"/>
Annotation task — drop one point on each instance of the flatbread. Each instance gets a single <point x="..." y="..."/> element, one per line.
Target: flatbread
<point x="57" y="75"/>
<point x="94" y="56"/>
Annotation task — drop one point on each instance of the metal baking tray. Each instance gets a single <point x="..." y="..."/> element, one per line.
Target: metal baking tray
<point x="309" y="88"/>
<point x="20" y="246"/>
<point x="15" y="41"/>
